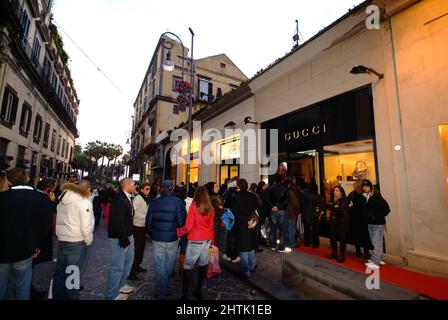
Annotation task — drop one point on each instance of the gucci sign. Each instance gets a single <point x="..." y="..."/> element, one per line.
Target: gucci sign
<point x="305" y="132"/>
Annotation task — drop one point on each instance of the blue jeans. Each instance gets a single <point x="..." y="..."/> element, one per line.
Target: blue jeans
<point x="197" y="251"/>
<point x="120" y="267"/>
<point x="247" y="263"/>
<point x="376" y="233"/>
<point x="165" y="254"/>
<point x="291" y="236"/>
<point x="69" y="254"/>
<point x="220" y="237"/>
<point x="277" y="220"/>
<point x="21" y="276"/>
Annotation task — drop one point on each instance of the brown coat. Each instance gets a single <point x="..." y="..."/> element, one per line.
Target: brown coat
<point x="293" y="205"/>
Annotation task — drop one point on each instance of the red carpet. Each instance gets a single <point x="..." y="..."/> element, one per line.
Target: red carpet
<point x="430" y="286"/>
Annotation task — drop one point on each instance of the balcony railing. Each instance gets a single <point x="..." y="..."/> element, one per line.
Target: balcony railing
<point x="43" y="73"/>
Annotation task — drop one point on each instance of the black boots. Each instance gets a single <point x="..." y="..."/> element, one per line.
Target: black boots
<point x="186" y="278"/>
<point x="341" y="257"/>
<point x="334" y="253"/>
<point x="358" y="253"/>
<point x="201" y="276"/>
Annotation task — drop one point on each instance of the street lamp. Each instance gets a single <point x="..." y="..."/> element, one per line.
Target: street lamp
<point x="168" y="65"/>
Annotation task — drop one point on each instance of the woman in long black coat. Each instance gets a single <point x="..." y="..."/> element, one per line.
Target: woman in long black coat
<point x="339" y="223"/>
<point x="245" y="204"/>
<point x="359" y="232"/>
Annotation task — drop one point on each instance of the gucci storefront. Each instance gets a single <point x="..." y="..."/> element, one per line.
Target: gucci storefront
<point x="331" y="142"/>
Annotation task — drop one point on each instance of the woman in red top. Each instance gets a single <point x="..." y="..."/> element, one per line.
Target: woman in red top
<point x="199" y="229"/>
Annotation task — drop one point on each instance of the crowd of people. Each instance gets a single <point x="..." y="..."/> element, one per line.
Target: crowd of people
<point x="235" y="217"/>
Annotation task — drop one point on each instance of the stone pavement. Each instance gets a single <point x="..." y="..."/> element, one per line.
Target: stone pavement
<point x="225" y="287"/>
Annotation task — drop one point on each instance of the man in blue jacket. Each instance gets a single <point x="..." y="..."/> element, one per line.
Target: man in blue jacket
<point x="165" y="215"/>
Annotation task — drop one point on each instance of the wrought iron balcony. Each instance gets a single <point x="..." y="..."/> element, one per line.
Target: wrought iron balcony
<point x="43" y="74"/>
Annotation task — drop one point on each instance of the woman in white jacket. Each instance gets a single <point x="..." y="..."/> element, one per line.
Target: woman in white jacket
<point x="74" y="228"/>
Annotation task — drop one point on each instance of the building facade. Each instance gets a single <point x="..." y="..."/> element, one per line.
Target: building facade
<point x="336" y="126"/>
<point x="39" y="106"/>
<point x="155" y="116"/>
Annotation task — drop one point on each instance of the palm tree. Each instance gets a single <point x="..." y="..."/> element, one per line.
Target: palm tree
<point x="94" y="151"/>
<point x="80" y="160"/>
<point x="117" y="151"/>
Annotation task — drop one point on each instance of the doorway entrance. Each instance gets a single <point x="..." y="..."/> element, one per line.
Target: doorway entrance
<point x="228" y="171"/>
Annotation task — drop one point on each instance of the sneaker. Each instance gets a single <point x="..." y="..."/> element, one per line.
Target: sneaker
<point x="236" y="260"/>
<point x="372" y="266"/>
<point x="122" y="296"/>
<point x="273" y="249"/>
<point x="287" y="250"/>
<point x="381" y="263"/>
<point x="127" y="289"/>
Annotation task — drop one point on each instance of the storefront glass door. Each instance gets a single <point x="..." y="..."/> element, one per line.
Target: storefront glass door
<point x="229" y="171"/>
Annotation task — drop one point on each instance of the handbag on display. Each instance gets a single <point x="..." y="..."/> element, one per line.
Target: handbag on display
<point x="360" y="171"/>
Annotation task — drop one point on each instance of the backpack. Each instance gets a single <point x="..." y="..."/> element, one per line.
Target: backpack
<point x="228" y="218"/>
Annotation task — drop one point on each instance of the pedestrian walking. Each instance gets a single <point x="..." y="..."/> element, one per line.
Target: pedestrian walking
<point x="231" y="253"/>
<point x="219" y="227"/>
<point x="376" y="209"/>
<point x="339" y="223"/>
<point x="74" y="229"/>
<point x="121" y="241"/>
<point x="358" y="230"/>
<point x="165" y="215"/>
<point x="22" y="228"/>
<point x="140" y="203"/>
<point x="312" y="206"/>
<point x="199" y="229"/>
<point x="246" y="208"/>
<point x="278" y="203"/>
<point x="293" y="209"/>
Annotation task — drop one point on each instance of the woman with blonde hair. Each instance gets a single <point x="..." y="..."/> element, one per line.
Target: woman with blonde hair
<point x="199" y="229"/>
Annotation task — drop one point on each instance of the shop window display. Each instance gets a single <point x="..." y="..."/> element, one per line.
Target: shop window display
<point x="345" y="163"/>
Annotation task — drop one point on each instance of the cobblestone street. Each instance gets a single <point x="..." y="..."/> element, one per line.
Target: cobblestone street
<point x="225" y="287"/>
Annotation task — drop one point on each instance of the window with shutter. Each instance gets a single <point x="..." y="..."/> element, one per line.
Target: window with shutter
<point x="37" y="129"/>
<point x="46" y="135"/>
<point x="25" y="120"/>
<point x="9" y="106"/>
<point x="53" y="140"/>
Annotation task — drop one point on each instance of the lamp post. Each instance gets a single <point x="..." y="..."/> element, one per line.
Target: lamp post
<point x="168" y="65"/>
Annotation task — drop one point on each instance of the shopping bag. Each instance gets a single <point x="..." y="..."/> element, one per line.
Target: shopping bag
<point x="213" y="268"/>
